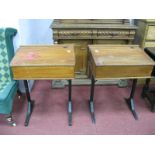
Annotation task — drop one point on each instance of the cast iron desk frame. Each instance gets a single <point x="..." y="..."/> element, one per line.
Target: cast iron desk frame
<point x="94" y="71"/>
<point x="130" y="100"/>
<point x="30" y="104"/>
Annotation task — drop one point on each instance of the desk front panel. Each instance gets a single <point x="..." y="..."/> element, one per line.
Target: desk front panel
<point x="123" y="72"/>
<point x="119" y="62"/>
<point x="21" y="73"/>
<point x="44" y="62"/>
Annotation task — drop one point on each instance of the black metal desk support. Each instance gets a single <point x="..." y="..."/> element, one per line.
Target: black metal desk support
<point x="145" y="88"/>
<point x="149" y="94"/>
<point x="30" y="103"/>
<point x="70" y="103"/>
<point x="130" y="100"/>
<point x="91" y="101"/>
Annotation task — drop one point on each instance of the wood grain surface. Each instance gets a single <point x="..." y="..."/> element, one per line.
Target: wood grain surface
<point x="119" y="61"/>
<point x="44" y="62"/>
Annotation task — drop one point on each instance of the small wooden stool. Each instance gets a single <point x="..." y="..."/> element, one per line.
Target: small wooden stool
<point x="147" y="91"/>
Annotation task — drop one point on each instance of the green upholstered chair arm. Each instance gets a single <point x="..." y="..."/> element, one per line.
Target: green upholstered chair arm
<point x="9" y="34"/>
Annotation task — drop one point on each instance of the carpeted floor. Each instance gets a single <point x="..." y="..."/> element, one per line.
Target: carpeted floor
<point x="50" y="113"/>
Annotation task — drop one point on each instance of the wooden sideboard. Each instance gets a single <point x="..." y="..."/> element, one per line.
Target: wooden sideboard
<point x="145" y="34"/>
<point x="84" y="32"/>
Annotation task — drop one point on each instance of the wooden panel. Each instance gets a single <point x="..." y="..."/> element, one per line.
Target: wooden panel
<point x="145" y="32"/>
<point x="43" y="72"/>
<point x="74" y="34"/>
<point x="84" y="32"/>
<point x="81" y="54"/>
<point x="151" y="33"/>
<point x="102" y="41"/>
<point x="123" y="72"/>
<point x="58" y="55"/>
<point x="44" y="62"/>
<point x="141" y="32"/>
<point x="119" y="62"/>
<point x="90" y="21"/>
<point x="149" y="44"/>
<point x="119" y="55"/>
<point x="84" y="24"/>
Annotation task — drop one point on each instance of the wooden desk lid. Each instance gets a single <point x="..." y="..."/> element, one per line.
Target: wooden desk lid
<point x="53" y="55"/>
<point x="118" y="55"/>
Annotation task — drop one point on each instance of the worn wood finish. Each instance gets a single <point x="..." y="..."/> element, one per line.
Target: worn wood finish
<point x="44" y="62"/>
<point x="95" y="21"/>
<point x="122" y="61"/>
<point x="84" y="32"/>
<point x="81" y="54"/>
<point x="145" y="34"/>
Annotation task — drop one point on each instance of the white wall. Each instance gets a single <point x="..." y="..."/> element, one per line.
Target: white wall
<point x="35" y="31"/>
<point x="30" y="31"/>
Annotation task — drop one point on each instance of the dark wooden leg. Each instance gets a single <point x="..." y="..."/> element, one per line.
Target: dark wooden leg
<point x="70" y="103"/>
<point x="10" y="120"/>
<point x="145" y="88"/>
<point x="30" y="105"/>
<point x="91" y="101"/>
<point x="130" y="100"/>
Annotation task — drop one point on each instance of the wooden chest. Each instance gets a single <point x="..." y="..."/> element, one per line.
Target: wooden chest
<point x="83" y="32"/>
<point x="145" y="34"/>
<point x="119" y="62"/>
<point x="44" y="62"/>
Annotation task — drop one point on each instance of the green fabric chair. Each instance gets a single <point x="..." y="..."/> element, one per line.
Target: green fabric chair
<point x="8" y="86"/>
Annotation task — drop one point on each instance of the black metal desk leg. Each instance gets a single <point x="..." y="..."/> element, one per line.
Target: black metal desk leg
<point x="145" y="88"/>
<point x="130" y="100"/>
<point x="30" y="103"/>
<point x="91" y="101"/>
<point x="70" y="103"/>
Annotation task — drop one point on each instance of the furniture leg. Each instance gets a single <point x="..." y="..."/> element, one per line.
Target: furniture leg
<point x="149" y="94"/>
<point x="30" y="105"/>
<point x="70" y="102"/>
<point x="130" y="100"/>
<point x="10" y="120"/>
<point x="145" y="88"/>
<point x="91" y="101"/>
<point x="19" y="93"/>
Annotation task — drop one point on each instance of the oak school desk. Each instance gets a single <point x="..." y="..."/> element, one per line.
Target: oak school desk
<point x="44" y="62"/>
<point x="118" y="62"/>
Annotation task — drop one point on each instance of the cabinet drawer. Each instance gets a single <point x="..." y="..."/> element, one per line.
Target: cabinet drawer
<point x="151" y="33"/>
<point x="149" y="44"/>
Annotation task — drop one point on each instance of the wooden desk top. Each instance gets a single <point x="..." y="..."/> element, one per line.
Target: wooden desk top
<point x="118" y="55"/>
<point x="44" y="62"/>
<point x="54" y="55"/>
<point x="119" y="61"/>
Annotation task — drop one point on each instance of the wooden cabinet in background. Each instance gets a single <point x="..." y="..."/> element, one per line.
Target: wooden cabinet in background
<point x="145" y="34"/>
<point x="84" y="32"/>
